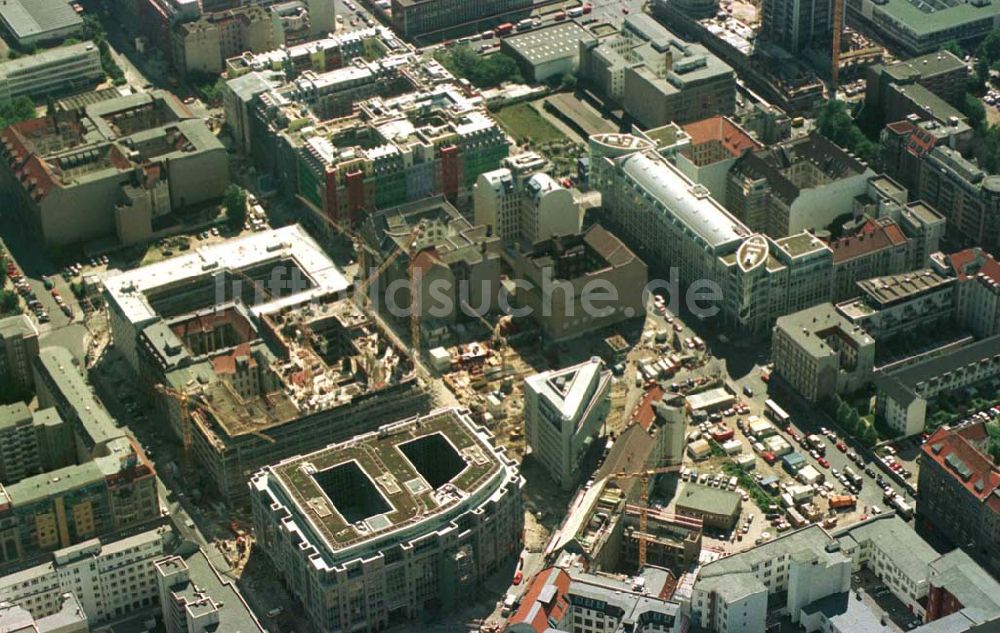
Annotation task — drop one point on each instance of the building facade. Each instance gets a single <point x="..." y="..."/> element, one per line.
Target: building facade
<point x="413" y="18"/>
<point x="564" y="415"/>
<point x="441" y="520"/>
<point x="796" y="25"/>
<point x="18" y="348"/>
<point x="51" y="72"/>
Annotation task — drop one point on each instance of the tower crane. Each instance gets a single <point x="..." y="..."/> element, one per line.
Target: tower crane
<point x="644" y="476"/>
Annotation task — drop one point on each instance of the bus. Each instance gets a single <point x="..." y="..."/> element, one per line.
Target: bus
<point x="777" y="414"/>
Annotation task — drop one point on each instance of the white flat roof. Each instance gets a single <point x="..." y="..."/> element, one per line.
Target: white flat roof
<point x="128" y="289"/>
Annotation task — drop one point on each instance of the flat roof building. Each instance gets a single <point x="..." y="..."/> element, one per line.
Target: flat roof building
<point x="820" y="353"/>
<point x="53" y="71"/>
<point x="430" y="496"/>
<point x="30" y="22"/>
<point x="18" y="347"/>
<point x="919" y="28"/>
<point x="715" y="507"/>
<point x="548" y="52"/>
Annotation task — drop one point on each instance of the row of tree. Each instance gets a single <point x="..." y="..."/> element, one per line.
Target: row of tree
<point x="483" y="71"/>
<point x="851" y="422"/>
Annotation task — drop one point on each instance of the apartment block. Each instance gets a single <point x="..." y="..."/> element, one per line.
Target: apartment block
<point x="819" y="353"/>
<point x="413" y="18"/>
<point x="522" y="204"/>
<point x="111" y="168"/>
<point x="902" y="395"/>
<point x="801" y="184"/>
<point x="54" y="71"/>
<point x="796" y="25"/>
<point x="455" y="264"/>
<point x="967" y="197"/>
<point x="564" y="415"/>
<point x="18" y="347"/>
<point x="225" y="324"/>
<point x="960" y="493"/>
<point x="70" y="618"/>
<point x="108" y="578"/>
<point x="716" y="144"/>
<point x="319" y="55"/>
<point x="414" y="515"/>
<point x="195" y="597"/>
<point x="733" y="593"/>
<point x="203" y="45"/>
<point x="33" y="443"/>
<point x="674" y="223"/>
<point x="572" y="600"/>
<point x="903" y="146"/>
<point x="574" y="284"/>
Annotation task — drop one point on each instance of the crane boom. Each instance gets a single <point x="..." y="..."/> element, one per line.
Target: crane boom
<point x="644" y="476"/>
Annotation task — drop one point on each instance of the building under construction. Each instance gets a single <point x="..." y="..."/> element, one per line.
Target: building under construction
<point x="256" y="353"/>
<point x="390" y="525"/>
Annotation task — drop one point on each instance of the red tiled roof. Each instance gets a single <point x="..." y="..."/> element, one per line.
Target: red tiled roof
<point x="945" y="443"/>
<point x="873" y="236"/>
<point x="901" y="127"/>
<point x="720" y="128"/>
<point x="644" y="413"/>
<point x="533" y="611"/>
<point x="226" y="363"/>
<point x="973" y="261"/>
<point x="426" y="259"/>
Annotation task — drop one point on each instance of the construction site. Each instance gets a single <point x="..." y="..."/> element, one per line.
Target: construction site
<point x="256" y="353"/>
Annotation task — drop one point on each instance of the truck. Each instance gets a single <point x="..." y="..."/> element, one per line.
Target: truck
<point x="575" y="12"/>
<point x="509" y="602"/>
<point x="853" y="477"/>
<point x="525" y="24"/>
<point x="795" y="518"/>
<point x="842" y="501"/>
<point x="902" y="508"/>
<point x="503" y="29"/>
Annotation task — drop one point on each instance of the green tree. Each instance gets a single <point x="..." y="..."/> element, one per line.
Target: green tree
<point x="973" y="108"/>
<point x="953" y="47"/>
<point x="868" y="435"/>
<point x="8" y="302"/>
<point x="569" y="82"/>
<point x="20" y="109"/>
<point x="235" y="202"/>
<point x="835" y="123"/>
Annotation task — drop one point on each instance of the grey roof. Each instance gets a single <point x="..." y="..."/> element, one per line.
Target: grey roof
<point x="29" y="63"/>
<point x="969" y="583"/>
<point x="846" y="613"/>
<point x="900" y="543"/>
<point x="206" y="590"/>
<point x="689" y="203"/>
<point x="33" y="18"/>
<point x="807" y="327"/>
<point x="710" y="500"/>
<point x="95" y="424"/>
<point x="247" y="86"/>
<point x="570" y="391"/>
<point x="925" y="66"/>
<point x="909" y="378"/>
<point x="12" y="415"/>
<point x="733" y="576"/>
<point x="560" y="41"/>
<point x="19" y="325"/>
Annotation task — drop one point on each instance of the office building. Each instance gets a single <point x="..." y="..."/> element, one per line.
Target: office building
<point x="224" y="325"/>
<point x="109" y="169"/>
<point x="18" y="348"/>
<point x="522" y="204"/>
<point x="564" y="415"/>
<point x="819" y="353"/>
<point x="902" y="395"/>
<point x="33" y="443"/>
<point x="796" y="25"/>
<point x="32" y="22"/>
<point x="888" y="201"/>
<point x="574" y="284"/>
<point x="319" y="55"/>
<point x="109" y="579"/>
<point x="671" y="222"/>
<point x="960" y="491"/>
<point x="553" y="51"/>
<point x="55" y="71"/>
<point x="914" y="29"/>
<point x="70" y="618"/>
<point x="801" y="184"/>
<point x="413" y="18"/>
<point x="572" y="600"/>
<point x="941" y="73"/>
<point x="961" y="592"/>
<point x="878" y="247"/>
<point x="195" y="598"/>
<point x="734" y="593"/>
<point x="203" y="45"/>
<point x="903" y="146"/>
<point x="455" y="265"/>
<point x="397" y="150"/>
<point x="889" y="306"/>
<point x="716" y="144"/>
<point x="414" y="515"/>
<point x="656" y="76"/>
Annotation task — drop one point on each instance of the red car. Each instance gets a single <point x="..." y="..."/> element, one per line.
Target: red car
<point x="823" y="462"/>
<point x="518" y="577"/>
<point x="793" y="435"/>
<point x="841" y="447"/>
